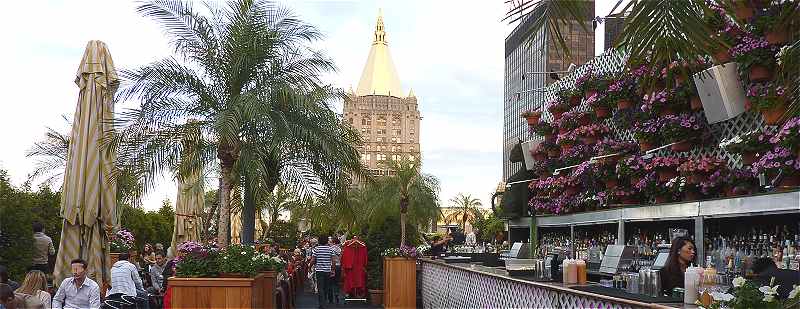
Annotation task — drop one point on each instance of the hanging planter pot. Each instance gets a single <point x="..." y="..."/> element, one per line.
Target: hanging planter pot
<point x="645" y="145"/>
<point x="601" y="112"/>
<point x="760" y="73"/>
<point x="748" y="158"/>
<point x="696" y="177"/>
<point x="589" y="140"/>
<point x="777" y="36"/>
<point x="734" y="191"/>
<point x="563" y="130"/>
<point x="553" y="153"/>
<point x="584" y="119"/>
<point x="544" y="174"/>
<point x="684" y="146"/>
<point x="666" y="173"/>
<point x="743" y="10"/>
<point x="629" y="200"/>
<point x="571" y="190"/>
<point x="665" y="111"/>
<point x="539" y="156"/>
<point x="566" y="147"/>
<point x="549" y="137"/>
<point x="789" y="182"/>
<point x="575" y="100"/>
<point x="661" y="199"/>
<point x="611" y="184"/>
<point x="692" y="195"/>
<point x="590" y="93"/>
<point x="695" y="103"/>
<point x="722" y="56"/>
<point x="680" y="79"/>
<point x="624" y="104"/>
<point x="557" y="115"/>
<point x="533" y="119"/>
<point x="773" y="115"/>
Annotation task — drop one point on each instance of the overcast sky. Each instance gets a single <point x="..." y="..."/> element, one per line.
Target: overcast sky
<point x="450" y="52"/>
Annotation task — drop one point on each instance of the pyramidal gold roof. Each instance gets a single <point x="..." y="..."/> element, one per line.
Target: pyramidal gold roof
<point x="379" y="76"/>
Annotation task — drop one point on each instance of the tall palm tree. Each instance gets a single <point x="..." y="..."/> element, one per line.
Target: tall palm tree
<point x="236" y="66"/>
<point x="271" y="206"/>
<point x="467" y="209"/>
<point x="416" y="193"/>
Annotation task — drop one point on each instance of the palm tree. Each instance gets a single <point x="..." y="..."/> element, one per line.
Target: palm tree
<point x="416" y="193"/>
<point x="246" y="77"/>
<point x="467" y="209"/>
<point x="271" y="206"/>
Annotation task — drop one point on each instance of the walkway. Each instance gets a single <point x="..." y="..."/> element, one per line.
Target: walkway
<point x="306" y="300"/>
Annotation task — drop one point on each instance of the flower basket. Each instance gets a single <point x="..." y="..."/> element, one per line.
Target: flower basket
<point x="777" y="36"/>
<point x="695" y="103"/>
<point x="774" y="114"/>
<point x="645" y="145"/>
<point x="722" y="56"/>
<point x="532" y="117"/>
<point x="666" y="173"/>
<point x="743" y="10"/>
<point x="601" y="112"/>
<point x="624" y="104"/>
<point x="760" y="73"/>
<point x="748" y="158"/>
<point x="683" y="146"/>
<point x="611" y="184"/>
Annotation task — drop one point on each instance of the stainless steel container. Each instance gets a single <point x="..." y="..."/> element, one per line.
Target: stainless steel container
<point x="655" y="283"/>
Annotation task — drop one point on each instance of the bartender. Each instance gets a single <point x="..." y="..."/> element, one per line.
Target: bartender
<point x="439" y="244"/>
<point x="681" y="255"/>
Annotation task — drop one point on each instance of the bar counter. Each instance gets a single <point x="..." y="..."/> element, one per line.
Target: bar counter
<point x="466" y="285"/>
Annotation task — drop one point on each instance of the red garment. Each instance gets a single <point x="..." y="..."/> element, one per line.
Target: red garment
<point x="354" y="268"/>
<point x="168" y="298"/>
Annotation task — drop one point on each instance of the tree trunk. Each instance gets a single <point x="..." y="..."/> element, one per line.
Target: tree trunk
<point x="402" y="229"/>
<point x="248" y="214"/>
<point x="223" y="231"/>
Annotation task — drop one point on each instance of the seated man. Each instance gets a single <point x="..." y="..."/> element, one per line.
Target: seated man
<point x="786" y="279"/>
<point x="125" y="279"/>
<point x="77" y="291"/>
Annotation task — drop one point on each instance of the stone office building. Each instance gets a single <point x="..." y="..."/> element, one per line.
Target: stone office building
<point x="387" y="118"/>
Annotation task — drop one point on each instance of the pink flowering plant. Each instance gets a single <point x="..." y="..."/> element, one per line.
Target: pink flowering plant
<point x="566" y="94"/>
<point x="196" y="260"/>
<point x="611" y="146"/>
<point x="598" y="100"/>
<point x="594" y="129"/>
<point x="754" y="50"/>
<point x="776" y="160"/>
<point x="704" y="164"/>
<point x="633" y="166"/>
<point x="568" y="121"/>
<point x="765" y="95"/>
<point x="754" y="141"/>
<point x="676" y="128"/>
<point x="558" y="106"/>
<point x="542" y="128"/>
<point x="577" y="154"/>
<point x="663" y="162"/>
<point x="656" y="101"/>
<point x="568" y="138"/>
<point x="623" y="87"/>
<point x="591" y="81"/>
<point x="789" y="134"/>
<point x="122" y="241"/>
<point x="648" y="130"/>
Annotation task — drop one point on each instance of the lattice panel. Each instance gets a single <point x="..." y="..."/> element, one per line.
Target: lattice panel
<point x="448" y="287"/>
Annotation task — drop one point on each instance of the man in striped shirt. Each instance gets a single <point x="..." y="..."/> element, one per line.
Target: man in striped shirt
<point x="321" y="257"/>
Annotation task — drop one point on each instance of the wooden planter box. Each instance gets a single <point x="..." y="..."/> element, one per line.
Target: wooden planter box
<point x="269" y="282"/>
<point x="399" y="283"/>
<point x="191" y="293"/>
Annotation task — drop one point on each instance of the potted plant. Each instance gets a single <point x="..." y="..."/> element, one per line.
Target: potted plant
<point x="576" y="154"/>
<point x="400" y="277"/>
<point x="665" y="167"/>
<point x="781" y="165"/>
<point x="544" y="129"/>
<point x="622" y="91"/>
<point x="566" y="141"/>
<point x="748" y="294"/>
<point x="682" y="129"/>
<point x="660" y="103"/>
<point x="570" y="96"/>
<point x="646" y="133"/>
<point x="789" y="135"/>
<point x="121" y="242"/>
<point x="748" y="145"/>
<point x="236" y="261"/>
<point x="697" y="170"/>
<point x="599" y="104"/>
<point x="756" y="56"/>
<point x="769" y="100"/>
<point x="589" y="134"/>
<point x="775" y="24"/>
<point x="615" y="149"/>
<point x="567" y="122"/>
<point x="532" y="116"/>
<point x="552" y="149"/>
<point x="590" y="83"/>
<point x="733" y="182"/>
<point x="557" y="108"/>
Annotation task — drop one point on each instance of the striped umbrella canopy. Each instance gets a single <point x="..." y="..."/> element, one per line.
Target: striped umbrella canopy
<point x="188" y="211"/>
<point x="88" y="195"/>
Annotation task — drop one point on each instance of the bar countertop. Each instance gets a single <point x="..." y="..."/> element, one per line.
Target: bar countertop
<point x="500" y="272"/>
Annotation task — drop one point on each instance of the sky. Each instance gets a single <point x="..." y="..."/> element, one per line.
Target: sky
<point x="449" y="51"/>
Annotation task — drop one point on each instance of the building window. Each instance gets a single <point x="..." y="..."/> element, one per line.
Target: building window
<point x="381" y="131"/>
<point x="394" y="140"/>
<point x="350" y="120"/>
<point x="367" y="147"/>
<point x="411" y="140"/>
<point x="396" y="157"/>
<point x="411" y="149"/>
<point x="379" y="139"/>
<point x="396" y="121"/>
<point x="412" y="132"/>
<point x="397" y="132"/>
<point x="382" y="121"/>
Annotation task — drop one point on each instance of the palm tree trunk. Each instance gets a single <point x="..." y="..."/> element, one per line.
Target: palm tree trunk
<point x="223" y="232"/>
<point x="248" y="214"/>
<point x="402" y="229"/>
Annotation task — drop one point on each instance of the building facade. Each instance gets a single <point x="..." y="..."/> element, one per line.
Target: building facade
<point x="388" y="120"/>
<point x="614" y="24"/>
<point x="536" y="54"/>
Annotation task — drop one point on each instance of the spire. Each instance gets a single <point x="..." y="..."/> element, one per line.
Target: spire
<point x="411" y="93"/>
<point x="379" y="76"/>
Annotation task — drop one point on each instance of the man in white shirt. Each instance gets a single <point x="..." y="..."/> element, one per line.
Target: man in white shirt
<point x="125" y="277"/>
<point x="471" y="240"/>
<point x="77" y="291"/>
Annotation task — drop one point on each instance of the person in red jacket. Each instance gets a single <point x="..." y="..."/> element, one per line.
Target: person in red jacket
<point x="354" y="267"/>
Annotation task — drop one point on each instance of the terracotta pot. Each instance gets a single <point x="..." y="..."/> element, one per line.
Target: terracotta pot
<point x="664" y="111"/>
<point x="635" y="179"/>
<point x="760" y="73"/>
<point x="696" y="177"/>
<point x="666" y="173"/>
<point x="590" y="93"/>
<point x="684" y="146"/>
<point x="571" y="190"/>
<point x="722" y="56"/>
<point x="557" y="115"/>
<point x="790" y="181"/>
<point x="566" y="147"/>
<point x="777" y="36"/>
<point x="737" y="191"/>
<point x="612" y="160"/>
<point x="575" y="100"/>
<point x="533" y="120"/>
<point x="611" y="184"/>
<point x="661" y="199"/>
<point x="601" y="112"/>
<point x="773" y="115"/>
<point x="549" y="137"/>
<point x="375" y="297"/>
<point x="584" y="119"/>
<point x="624" y="104"/>
<point x="554" y="153"/>
<point x="589" y="140"/>
<point x="563" y="130"/>
<point x="692" y="195"/>
<point x="539" y="156"/>
<point x="680" y="79"/>
<point x="645" y="146"/>
<point x="544" y="174"/>
<point x="695" y="103"/>
<point x="743" y="10"/>
<point x="748" y="158"/>
<point x="629" y="200"/>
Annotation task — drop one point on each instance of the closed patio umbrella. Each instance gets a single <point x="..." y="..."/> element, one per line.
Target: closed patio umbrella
<point x="88" y="196"/>
<point x="188" y="210"/>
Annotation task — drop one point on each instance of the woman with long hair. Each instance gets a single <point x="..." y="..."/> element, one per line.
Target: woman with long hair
<point x="34" y="290"/>
<point x="148" y="256"/>
<point x="681" y="255"/>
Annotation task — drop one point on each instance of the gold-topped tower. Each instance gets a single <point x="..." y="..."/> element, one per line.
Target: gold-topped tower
<point x="388" y="122"/>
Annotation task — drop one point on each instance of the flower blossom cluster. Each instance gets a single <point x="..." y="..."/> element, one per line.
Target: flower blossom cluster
<point x="779" y="158"/>
<point x="663" y="162"/>
<point x="747" y="45"/>
<point x="703" y="164"/>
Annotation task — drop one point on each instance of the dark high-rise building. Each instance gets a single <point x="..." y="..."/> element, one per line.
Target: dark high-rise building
<point x="536" y="54"/>
<point x="613" y="28"/>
